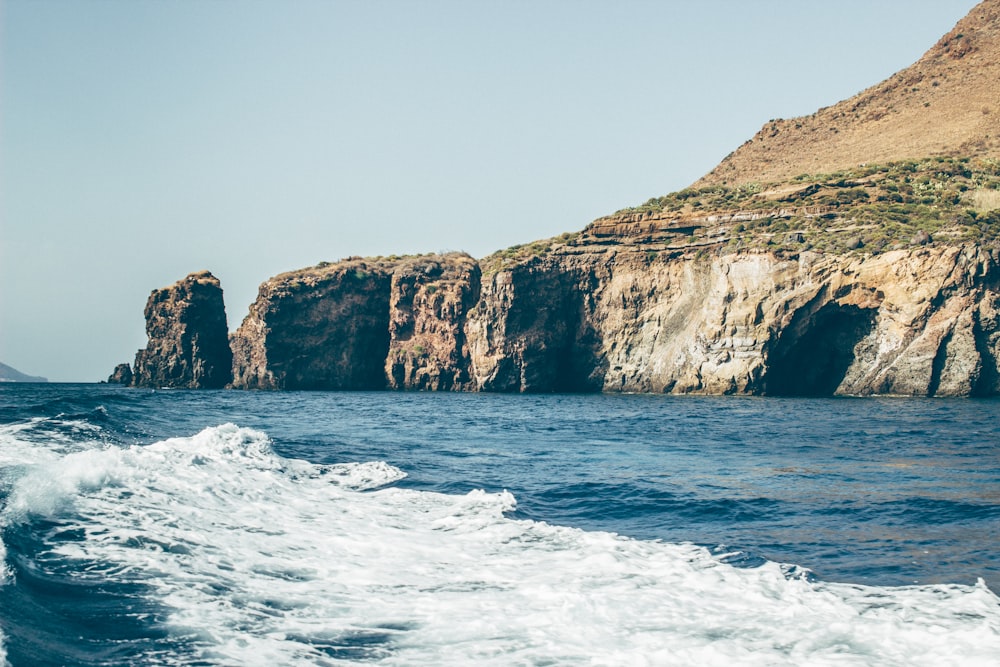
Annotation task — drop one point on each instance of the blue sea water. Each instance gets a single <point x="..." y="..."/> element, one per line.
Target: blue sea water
<point x="235" y="528"/>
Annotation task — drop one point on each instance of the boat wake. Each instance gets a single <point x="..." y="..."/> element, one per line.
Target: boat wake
<point x="213" y="548"/>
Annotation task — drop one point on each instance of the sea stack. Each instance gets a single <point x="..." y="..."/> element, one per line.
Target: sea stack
<point x="188" y="337"/>
<point x="121" y="375"/>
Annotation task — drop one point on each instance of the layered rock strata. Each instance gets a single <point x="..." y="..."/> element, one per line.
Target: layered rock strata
<point x="924" y="321"/>
<point x="188" y="337"/>
<point x="916" y="322"/>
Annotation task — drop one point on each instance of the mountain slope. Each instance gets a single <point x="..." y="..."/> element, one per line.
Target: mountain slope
<point x="947" y="103"/>
<point x="8" y="374"/>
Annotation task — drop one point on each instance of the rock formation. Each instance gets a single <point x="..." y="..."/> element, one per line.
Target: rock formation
<point x="360" y="324"/>
<point x="325" y="327"/>
<point x="121" y="375"/>
<point x="429" y="300"/>
<point x="916" y="322"/>
<point x="534" y="327"/>
<point x="188" y="337"/>
<point x="811" y="262"/>
<point x="583" y="317"/>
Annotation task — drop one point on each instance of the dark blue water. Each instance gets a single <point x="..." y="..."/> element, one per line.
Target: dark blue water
<point x="885" y="492"/>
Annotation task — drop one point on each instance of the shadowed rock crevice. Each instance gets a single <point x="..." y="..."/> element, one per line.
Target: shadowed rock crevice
<point x="988" y="382"/>
<point x="937" y="366"/>
<point x="812" y="356"/>
<point x="560" y="347"/>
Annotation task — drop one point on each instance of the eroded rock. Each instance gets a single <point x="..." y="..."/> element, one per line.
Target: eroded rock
<point x="430" y="298"/>
<point x="918" y="322"/>
<point x="361" y="324"/>
<point x="188" y="337"/>
<point x="121" y="375"/>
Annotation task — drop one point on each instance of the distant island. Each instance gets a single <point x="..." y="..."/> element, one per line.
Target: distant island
<point x="855" y="251"/>
<point x="9" y="374"/>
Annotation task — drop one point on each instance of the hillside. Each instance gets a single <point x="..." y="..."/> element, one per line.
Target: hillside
<point x="868" y="210"/>
<point x="9" y="374"/>
<point x="945" y="104"/>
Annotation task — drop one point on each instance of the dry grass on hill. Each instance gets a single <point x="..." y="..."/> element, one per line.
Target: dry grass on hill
<point x="946" y="104"/>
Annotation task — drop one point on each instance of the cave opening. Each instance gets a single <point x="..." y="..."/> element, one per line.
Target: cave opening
<point x="812" y="356"/>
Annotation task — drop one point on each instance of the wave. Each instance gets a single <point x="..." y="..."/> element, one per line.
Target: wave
<point x="253" y="558"/>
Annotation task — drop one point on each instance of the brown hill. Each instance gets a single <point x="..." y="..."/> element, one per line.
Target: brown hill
<point x="947" y="103"/>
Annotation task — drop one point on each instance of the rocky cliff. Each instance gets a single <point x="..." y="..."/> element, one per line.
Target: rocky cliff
<point x="853" y="252"/>
<point x="360" y="324"/>
<point x="589" y="315"/>
<point x="325" y="327"/>
<point x="429" y="300"/>
<point x="188" y="337"/>
<point x="534" y="328"/>
<point x="915" y="322"/>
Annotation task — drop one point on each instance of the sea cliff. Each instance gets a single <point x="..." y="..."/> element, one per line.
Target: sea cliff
<point x="851" y="252"/>
<point x="360" y="323"/>
<point x="919" y="322"/>
<point x="922" y="321"/>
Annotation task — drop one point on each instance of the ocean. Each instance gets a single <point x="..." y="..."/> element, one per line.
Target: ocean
<point x="148" y="527"/>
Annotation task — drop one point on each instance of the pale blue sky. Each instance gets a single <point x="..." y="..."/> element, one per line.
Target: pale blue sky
<point x="140" y="140"/>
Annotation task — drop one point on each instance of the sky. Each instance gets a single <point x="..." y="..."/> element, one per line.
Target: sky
<point x="142" y="140"/>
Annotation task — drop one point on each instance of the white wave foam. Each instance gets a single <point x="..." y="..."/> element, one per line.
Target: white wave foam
<point x="266" y="560"/>
<point x="44" y="439"/>
<point x="4" y="580"/>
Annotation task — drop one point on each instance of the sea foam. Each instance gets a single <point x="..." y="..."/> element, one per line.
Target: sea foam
<point x="266" y="560"/>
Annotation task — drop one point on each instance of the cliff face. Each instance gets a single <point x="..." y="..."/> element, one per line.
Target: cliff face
<point x="188" y="337"/>
<point x="533" y="329"/>
<point x="771" y="276"/>
<point x="919" y="322"/>
<point x="597" y="316"/>
<point x="360" y="324"/>
<point x="320" y="328"/>
<point x="430" y="297"/>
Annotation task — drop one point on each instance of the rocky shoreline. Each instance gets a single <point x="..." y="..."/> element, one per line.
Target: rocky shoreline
<point x="923" y="321"/>
<point x="854" y="251"/>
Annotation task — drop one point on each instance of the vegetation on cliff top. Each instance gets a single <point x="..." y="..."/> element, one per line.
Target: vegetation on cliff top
<point x="872" y="207"/>
<point x="517" y="253"/>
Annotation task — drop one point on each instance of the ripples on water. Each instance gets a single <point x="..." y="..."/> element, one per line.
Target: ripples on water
<point x="269" y="546"/>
